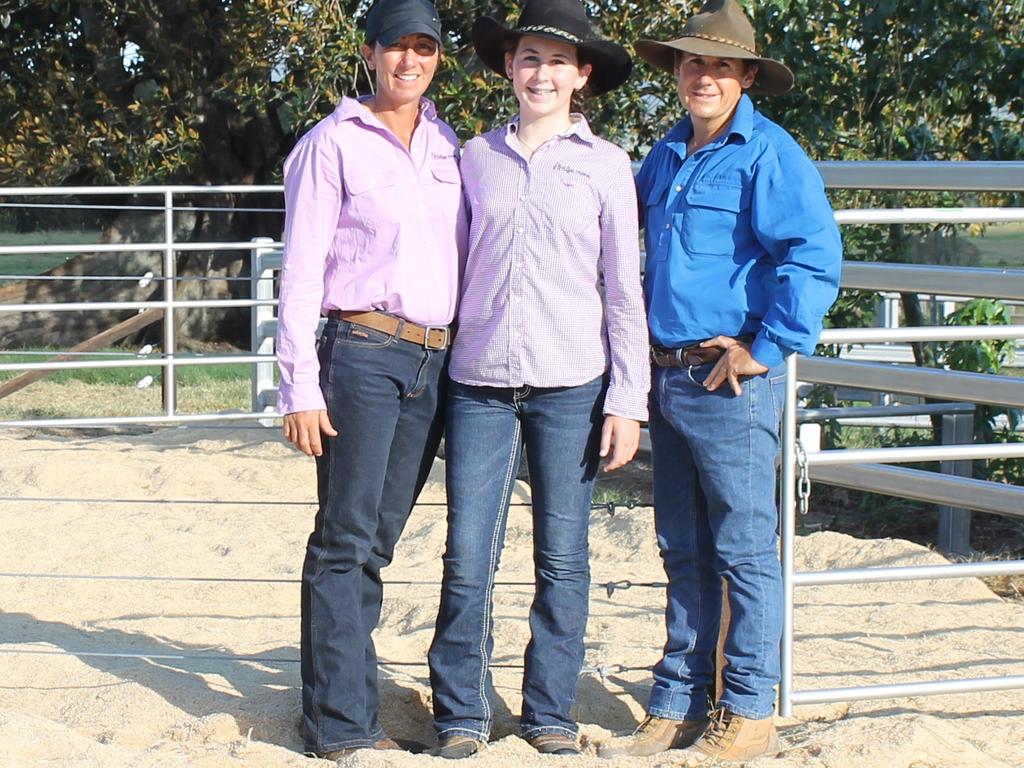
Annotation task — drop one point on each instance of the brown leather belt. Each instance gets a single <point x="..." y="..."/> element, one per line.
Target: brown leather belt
<point x="684" y="357"/>
<point x="426" y="336"/>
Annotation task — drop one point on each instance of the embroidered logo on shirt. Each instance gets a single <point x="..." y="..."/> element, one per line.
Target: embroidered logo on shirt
<point x="443" y="156"/>
<point x="567" y="169"/>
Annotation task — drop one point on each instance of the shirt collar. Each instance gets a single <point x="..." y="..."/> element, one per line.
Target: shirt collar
<point x="579" y="128"/>
<point x="741" y="126"/>
<point x="353" y="109"/>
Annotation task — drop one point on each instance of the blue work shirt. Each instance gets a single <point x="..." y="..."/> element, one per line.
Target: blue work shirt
<point x="740" y="239"/>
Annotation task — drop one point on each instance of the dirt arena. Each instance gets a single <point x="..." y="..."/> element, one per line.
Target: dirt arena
<point x="199" y="668"/>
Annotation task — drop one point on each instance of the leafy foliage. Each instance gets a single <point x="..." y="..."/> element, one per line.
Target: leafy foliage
<point x="108" y="91"/>
<point x="218" y="91"/>
<point x="988" y="356"/>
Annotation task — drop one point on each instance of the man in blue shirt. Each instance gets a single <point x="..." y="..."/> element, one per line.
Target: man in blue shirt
<point x="743" y="261"/>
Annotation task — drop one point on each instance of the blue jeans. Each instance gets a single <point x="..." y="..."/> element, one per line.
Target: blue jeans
<point x="485" y="434"/>
<point x="385" y="398"/>
<point x="714" y="494"/>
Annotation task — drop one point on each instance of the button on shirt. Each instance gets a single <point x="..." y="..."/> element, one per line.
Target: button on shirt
<point x="533" y="310"/>
<point x="740" y="239"/>
<point x="369" y="225"/>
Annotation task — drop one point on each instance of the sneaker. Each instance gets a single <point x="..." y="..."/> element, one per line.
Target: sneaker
<point x="457" y="746"/>
<point x="554" y="744"/>
<point x="731" y="738"/>
<point x="653" y="736"/>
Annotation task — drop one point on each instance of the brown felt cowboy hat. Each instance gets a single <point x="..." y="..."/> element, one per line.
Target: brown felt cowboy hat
<point x="563" y="20"/>
<point x="720" y="28"/>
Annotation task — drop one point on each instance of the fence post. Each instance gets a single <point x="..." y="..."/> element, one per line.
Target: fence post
<point x="261" y="274"/>
<point x="169" y="388"/>
<point x="787" y="511"/>
<point x="954" y="523"/>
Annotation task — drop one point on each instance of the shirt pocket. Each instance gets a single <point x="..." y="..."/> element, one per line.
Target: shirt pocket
<point x="709" y="224"/>
<point x="371" y="196"/>
<point x="448" y="189"/>
<point x="570" y="204"/>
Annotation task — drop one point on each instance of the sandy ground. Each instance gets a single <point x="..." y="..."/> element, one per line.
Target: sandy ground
<point x="198" y="667"/>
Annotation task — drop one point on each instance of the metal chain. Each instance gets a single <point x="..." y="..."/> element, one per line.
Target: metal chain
<point x="803" y="487"/>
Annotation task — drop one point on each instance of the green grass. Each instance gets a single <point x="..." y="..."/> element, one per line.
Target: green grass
<point x="107" y="392"/>
<point x="188" y="375"/>
<point x="1002" y="245"/>
<point x="37" y="263"/>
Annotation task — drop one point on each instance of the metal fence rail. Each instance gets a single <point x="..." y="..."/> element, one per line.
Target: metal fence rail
<point x="796" y="463"/>
<point x="1005" y="284"/>
<point x="167" y="247"/>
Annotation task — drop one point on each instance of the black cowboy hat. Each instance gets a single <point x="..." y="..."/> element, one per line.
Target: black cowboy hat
<point x="563" y="20"/>
<point x="721" y="29"/>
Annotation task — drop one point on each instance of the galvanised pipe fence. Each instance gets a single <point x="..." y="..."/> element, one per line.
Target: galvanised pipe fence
<point x="799" y="464"/>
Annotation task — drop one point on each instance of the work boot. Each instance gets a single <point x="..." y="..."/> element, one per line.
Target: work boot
<point x="555" y="744"/>
<point x="731" y="738"/>
<point x="338" y="754"/>
<point x="457" y="747"/>
<point x="654" y="735"/>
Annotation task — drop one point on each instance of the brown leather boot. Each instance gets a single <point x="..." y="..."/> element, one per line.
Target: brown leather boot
<point x="652" y="736"/>
<point x="338" y="754"/>
<point x="458" y="746"/>
<point x="555" y="744"/>
<point x="731" y="738"/>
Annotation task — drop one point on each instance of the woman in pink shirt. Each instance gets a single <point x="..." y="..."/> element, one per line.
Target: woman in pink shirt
<point x="374" y="229"/>
<point x="551" y="353"/>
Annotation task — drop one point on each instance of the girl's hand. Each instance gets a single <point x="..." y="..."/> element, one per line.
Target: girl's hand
<point x="620" y="437"/>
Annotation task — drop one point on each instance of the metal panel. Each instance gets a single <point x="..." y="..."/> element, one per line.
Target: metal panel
<point x="929" y="382"/>
<point x="990" y="176"/>
<point x="932" y="487"/>
<point x="953" y="281"/>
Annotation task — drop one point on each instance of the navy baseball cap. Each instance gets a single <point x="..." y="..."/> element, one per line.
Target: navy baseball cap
<point x="388" y="20"/>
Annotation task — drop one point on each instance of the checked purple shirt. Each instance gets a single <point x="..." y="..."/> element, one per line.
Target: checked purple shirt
<point x="533" y="308"/>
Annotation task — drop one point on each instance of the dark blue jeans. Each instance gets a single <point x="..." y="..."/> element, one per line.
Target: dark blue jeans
<point x="385" y="398"/>
<point x="715" y="515"/>
<point x="486" y="430"/>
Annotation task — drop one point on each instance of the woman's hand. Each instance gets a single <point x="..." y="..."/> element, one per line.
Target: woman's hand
<point x="303" y="429"/>
<point x="620" y="437"/>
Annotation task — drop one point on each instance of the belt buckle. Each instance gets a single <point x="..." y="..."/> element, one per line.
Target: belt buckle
<point x="690" y="356"/>
<point x="666" y="357"/>
<point x="443" y="329"/>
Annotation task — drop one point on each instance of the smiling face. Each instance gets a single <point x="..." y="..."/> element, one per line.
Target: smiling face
<point x="545" y="74"/>
<point x="710" y="88"/>
<point x="403" y="71"/>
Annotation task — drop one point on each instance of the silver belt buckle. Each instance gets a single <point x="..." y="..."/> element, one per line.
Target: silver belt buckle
<point x="445" y="332"/>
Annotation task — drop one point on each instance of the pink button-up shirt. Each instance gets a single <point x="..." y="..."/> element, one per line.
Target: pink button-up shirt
<point x="534" y="310"/>
<point x="369" y="225"/>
